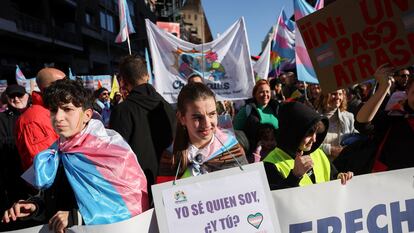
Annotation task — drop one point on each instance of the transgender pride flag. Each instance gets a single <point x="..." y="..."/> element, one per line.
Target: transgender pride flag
<point x="125" y="22"/>
<point x="20" y="79"/>
<point x="304" y="66"/>
<point x="103" y="171"/>
<point x="284" y="43"/>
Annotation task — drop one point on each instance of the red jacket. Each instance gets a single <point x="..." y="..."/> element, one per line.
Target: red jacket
<point x="34" y="131"/>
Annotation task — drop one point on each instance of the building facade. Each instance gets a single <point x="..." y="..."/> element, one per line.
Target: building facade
<point x="67" y="33"/>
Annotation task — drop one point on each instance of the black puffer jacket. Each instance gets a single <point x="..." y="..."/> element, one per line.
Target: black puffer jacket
<point x="147" y="122"/>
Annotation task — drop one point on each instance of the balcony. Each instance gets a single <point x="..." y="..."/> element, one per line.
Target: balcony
<point x="30" y="24"/>
<point x="38" y="29"/>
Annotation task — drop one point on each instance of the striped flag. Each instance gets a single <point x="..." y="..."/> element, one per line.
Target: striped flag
<point x="125" y="22"/>
<point x="283" y="49"/>
<point x="319" y="4"/>
<point x="71" y="76"/>
<point x="304" y="66"/>
<point x="147" y="60"/>
<point x="107" y="180"/>
<point x="20" y="78"/>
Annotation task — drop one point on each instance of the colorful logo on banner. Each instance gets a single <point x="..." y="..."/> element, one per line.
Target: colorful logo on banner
<point x="206" y="64"/>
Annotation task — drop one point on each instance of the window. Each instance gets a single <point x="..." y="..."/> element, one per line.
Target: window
<point x="110" y="23"/>
<point x="102" y="19"/>
<point x="107" y="21"/>
<point x="195" y="17"/>
<point x="88" y="19"/>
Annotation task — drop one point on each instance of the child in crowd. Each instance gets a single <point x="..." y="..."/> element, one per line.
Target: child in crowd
<point x="89" y="176"/>
<point x="266" y="141"/>
<point x="200" y="146"/>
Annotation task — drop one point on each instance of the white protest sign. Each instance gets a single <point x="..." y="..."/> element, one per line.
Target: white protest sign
<point x="380" y="202"/>
<point x="223" y="201"/>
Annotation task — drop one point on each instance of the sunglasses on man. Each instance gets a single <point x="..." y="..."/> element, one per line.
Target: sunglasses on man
<point x="14" y="95"/>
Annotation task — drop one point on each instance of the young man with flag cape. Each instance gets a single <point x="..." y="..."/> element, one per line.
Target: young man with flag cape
<point x="88" y="176"/>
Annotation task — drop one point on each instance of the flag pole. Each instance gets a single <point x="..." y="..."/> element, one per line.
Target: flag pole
<point x="127" y="31"/>
<point x="129" y="43"/>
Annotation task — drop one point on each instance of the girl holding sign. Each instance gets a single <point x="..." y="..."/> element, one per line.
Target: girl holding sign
<point x="200" y="146"/>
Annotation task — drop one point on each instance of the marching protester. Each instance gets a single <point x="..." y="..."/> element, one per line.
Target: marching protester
<point x="102" y="105"/>
<point x="117" y="99"/>
<point x="297" y="160"/>
<point x="398" y="88"/>
<point x="277" y="92"/>
<point x="12" y="187"/>
<point x="200" y="146"/>
<point x="81" y="182"/>
<point x="34" y="132"/>
<point x="144" y="118"/>
<point x="315" y="96"/>
<point x="341" y="122"/>
<point x="261" y="109"/>
<point x="393" y="130"/>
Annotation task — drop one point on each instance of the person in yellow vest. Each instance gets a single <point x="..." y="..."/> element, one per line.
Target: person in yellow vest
<point x="297" y="160"/>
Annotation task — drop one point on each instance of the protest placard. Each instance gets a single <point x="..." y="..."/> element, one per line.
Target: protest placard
<point x="380" y="202"/>
<point x="230" y="200"/>
<point x="349" y="39"/>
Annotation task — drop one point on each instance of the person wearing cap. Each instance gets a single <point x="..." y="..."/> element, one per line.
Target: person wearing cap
<point x="297" y="160"/>
<point x="103" y="105"/>
<point x="11" y="186"/>
<point x="34" y="131"/>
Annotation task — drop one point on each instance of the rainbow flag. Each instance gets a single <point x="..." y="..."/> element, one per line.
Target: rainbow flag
<point x="125" y="22"/>
<point x="103" y="171"/>
<point x="305" y="71"/>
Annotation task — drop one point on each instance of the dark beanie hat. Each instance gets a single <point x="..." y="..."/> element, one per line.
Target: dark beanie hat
<point x="99" y="91"/>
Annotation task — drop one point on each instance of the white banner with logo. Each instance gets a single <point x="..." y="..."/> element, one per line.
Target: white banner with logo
<point x="230" y="200"/>
<point x="380" y="202"/>
<point x="223" y="63"/>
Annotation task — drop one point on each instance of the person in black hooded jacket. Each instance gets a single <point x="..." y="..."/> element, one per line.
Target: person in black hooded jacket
<point x="297" y="160"/>
<point x="145" y="120"/>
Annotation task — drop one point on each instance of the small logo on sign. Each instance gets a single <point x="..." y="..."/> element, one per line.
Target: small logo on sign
<point x="180" y="197"/>
<point x="255" y="219"/>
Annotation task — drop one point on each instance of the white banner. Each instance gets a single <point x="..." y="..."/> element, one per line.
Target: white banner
<point x="261" y="67"/>
<point x="145" y="222"/>
<point x="380" y="202"/>
<point x="229" y="200"/>
<point x="223" y="63"/>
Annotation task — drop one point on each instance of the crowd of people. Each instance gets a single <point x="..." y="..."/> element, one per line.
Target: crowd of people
<point x="70" y="156"/>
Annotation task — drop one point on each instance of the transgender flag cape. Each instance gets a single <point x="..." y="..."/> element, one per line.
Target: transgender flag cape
<point x="104" y="173"/>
